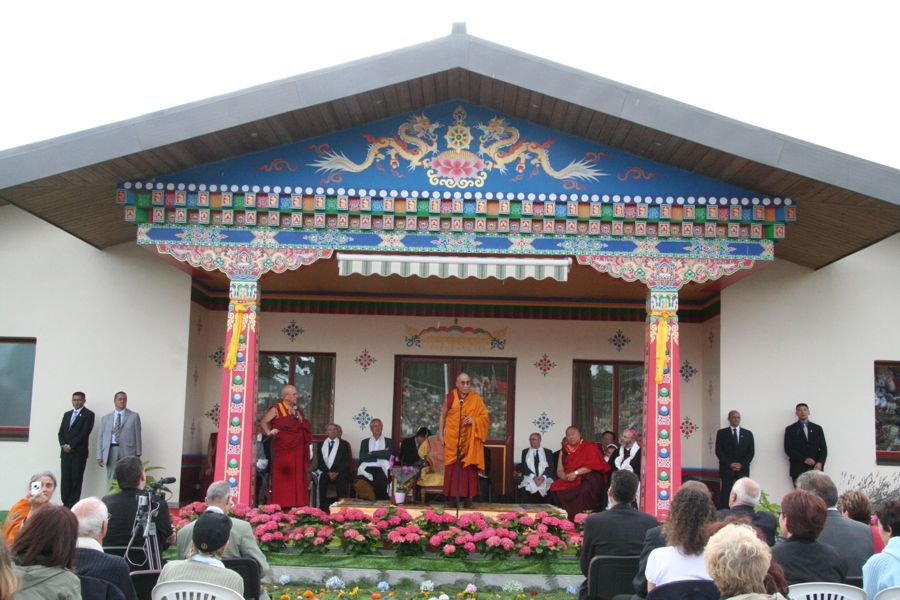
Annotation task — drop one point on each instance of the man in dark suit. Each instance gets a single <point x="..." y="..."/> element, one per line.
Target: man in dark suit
<point x="617" y="531"/>
<point x="333" y="458"/>
<point x="123" y="507"/>
<point x="850" y="539"/>
<point x="742" y="502"/>
<point x="538" y="470"/>
<point x="90" y="560"/>
<point x="734" y="449"/>
<point x="409" y="448"/>
<point x="804" y="443"/>
<point x="74" y="433"/>
<point x="628" y="455"/>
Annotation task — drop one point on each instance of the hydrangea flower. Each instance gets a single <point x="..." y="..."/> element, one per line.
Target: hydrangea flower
<point x="383" y="586"/>
<point x="427" y="586"/>
<point x="572" y="590"/>
<point x="471" y="588"/>
<point x="334" y="583"/>
<point x="512" y="587"/>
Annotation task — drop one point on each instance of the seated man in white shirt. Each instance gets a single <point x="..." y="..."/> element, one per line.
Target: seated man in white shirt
<point x="374" y="459"/>
<point x="537" y="470"/>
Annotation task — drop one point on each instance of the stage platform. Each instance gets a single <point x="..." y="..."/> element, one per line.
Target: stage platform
<point x="485" y="508"/>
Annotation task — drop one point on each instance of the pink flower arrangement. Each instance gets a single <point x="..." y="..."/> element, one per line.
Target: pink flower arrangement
<point x="407" y="540"/>
<point x="311" y="539"/>
<point x="432" y="521"/>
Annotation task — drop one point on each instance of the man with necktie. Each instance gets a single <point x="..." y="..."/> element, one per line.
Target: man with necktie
<point x="120" y="435"/>
<point x="74" y="432"/>
<point x="804" y="443"/>
<point x="734" y="449"/>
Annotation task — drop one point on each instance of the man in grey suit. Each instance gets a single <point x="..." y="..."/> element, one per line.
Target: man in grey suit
<point x="120" y="435"/>
<point x="850" y="539"/>
<point x="241" y="542"/>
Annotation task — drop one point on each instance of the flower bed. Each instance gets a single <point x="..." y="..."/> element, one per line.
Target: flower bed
<point x="335" y="587"/>
<point x="351" y="531"/>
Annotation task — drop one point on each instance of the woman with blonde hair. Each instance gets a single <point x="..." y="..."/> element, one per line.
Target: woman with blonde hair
<point x="9" y="582"/>
<point x="738" y="561"/>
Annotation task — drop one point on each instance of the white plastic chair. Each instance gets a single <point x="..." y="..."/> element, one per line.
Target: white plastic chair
<point x="823" y="591"/>
<point x="193" y="590"/>
<point x="891" y="593"/>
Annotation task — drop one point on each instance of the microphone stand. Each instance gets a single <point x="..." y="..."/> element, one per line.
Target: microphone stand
<point x="459" y="456"/>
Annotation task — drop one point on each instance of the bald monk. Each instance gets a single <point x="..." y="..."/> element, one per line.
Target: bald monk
<point x="291" y="436"/>
<point x="464" y="428"/>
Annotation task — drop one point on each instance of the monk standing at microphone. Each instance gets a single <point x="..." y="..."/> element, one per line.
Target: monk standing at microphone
<point x="464" y="428"/>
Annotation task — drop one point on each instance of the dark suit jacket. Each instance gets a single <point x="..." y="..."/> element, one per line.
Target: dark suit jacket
<point x="654" y="538"/>
<point x="799" y="448"/>
<point x="634" y="458"/>
<point x="728" y="452"/>
<point x="107" y="567"/>
<point x="550" y="471"/>
<point x="409" y="452"/>
<point x="851" y="540"/>
<point x="369" y="456"/>
<point x="763" y="520"/>
<point x="618" y="531"/>
<point x="122" y="508"/>
<point x="342" y="458"/>
<point x="807" y="562"/>
<point x="77" y="437"/>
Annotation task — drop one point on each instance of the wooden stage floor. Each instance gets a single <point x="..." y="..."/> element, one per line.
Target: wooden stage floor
<point x="487" y="509"/>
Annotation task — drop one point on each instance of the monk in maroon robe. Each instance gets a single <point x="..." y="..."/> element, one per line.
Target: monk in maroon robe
<point x="582" y="476"/>
<point x="290" y="450"/>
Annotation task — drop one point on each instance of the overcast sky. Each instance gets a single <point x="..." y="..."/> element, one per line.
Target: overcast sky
<point x="825" y="72"/>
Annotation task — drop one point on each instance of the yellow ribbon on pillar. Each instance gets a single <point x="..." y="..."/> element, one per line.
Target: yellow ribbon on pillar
<point x="662" y="340"/>
<point x="240" y="310"/>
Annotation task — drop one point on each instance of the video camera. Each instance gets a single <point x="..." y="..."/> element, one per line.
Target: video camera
<point x="149" y="503"/>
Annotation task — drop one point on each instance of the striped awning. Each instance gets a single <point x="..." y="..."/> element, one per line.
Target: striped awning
<point x="454" y="266"/>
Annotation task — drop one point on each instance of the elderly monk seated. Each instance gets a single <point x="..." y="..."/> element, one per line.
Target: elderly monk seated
<point x="581" y="476"/>
<point x="432" y="452"/>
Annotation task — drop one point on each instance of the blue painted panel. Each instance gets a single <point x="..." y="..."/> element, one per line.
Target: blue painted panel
<point x="456" y="146"/>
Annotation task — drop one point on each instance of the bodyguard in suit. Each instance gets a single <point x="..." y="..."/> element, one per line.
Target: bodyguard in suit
<point x="734" y="449"/>
<point x="804" y="443"/>
<point x="74" y="433"/>
<point x="850" y="539"/>
<point x="120" y="435"/>
<point x="333" y="457"/>
<point x="90" y="560"/>
<point x="617" y="531"/>
<point x="241" y="542"/>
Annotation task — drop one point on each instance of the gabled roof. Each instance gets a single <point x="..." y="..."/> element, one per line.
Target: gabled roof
<point x="845" y="203"/>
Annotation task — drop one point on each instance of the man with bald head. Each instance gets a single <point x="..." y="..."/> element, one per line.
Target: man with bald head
<point x="734" y="449"/>
<point x="742" y="502"/>
<point x="291" y="435"/>
<point x="90" y="560"/>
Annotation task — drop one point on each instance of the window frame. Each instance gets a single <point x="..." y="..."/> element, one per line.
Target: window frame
<point x="616" y="392"/>
<point x="20" y="433"/>
<point x="317" y="436"/>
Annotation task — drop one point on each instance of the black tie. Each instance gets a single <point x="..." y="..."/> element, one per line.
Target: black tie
<point x="627" y="453"/>
<point x="735" y="434"/>
<point x="330" y="446"/>
<point x="536" y="459"/>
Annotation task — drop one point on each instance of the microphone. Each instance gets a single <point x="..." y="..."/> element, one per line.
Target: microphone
<point x="165" y="480"/>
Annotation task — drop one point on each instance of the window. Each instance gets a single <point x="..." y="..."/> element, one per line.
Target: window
<point x="887" y="412"/>
<point x="312" y="374"/>
<point x="607" y="396"/>
<point x="16" y="379"/>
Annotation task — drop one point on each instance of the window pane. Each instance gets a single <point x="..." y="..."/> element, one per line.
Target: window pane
<point x="631" y="400"/>
<point x="424" y="387"/>
<point x="274" y="372"/>
<point x="16" y="378"/>
<point x="593" y="395"/>
<point x="314" y="378"/>
<point x="491" y="380"/>
<point x="887" y="400"/>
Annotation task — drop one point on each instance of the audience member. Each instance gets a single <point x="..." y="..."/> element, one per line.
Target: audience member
<point x="581" y="474"/>
<point x="804" y="443"/>
<point x="734" y="449"/>
<point x="690" y="512"/>
<point x="123" y="507"/>
<point x="804" y="559"/>
<point x="850" y="539"/>
<point x="374" y="459"/>
<point x="120" y="435"/>
<point x="738" y="561"/>
<point x="43" y="555"/>
<point x="774" y="581"/>
<point x="617" y="531"/>
<point x="241" y="541"/>
<point x="882" y="570"/>
<point x="856" y="505"/>
<point x="9" y="581"/>
<point x="291" y="435"/>
<point x="409" y="448"/>
<point x="90" y="560"/>
<point x="537" y="470"/>
<point x="743" y="500"/>
<point x="333" y="458"/>
<point x="40" y="490"/>
<point x="73" y="436"/>
<point x="210" y="538"/>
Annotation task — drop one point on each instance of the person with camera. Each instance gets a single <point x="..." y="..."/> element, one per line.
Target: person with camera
<point x="123" y="506"/>
<point x="40" y="489"/>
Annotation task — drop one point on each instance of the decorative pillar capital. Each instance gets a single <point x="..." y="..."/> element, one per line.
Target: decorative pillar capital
<point x="661" y="273"/>
<point x="243" y="262"/>
<point x="662" y="301"/>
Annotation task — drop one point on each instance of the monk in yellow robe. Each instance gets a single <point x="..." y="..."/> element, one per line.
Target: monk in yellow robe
<point x="464" y="428"/>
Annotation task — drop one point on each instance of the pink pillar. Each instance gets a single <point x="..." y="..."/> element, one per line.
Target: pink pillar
<point x="234" y="454"/>
<point x="661" y="469"/>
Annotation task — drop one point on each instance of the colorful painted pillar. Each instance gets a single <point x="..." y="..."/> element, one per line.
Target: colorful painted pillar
<point x="661" y="471"/>
<point x="234" y="454"/>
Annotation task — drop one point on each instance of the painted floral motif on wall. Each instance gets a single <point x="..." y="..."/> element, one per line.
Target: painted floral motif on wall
<point x="292" y="330"/>
<point x="544" y="364"/>
<point x="688" y="370"/>
<point x="362" y="418"/>
<point x="365" y="360"/>
<point x="213" y="414"/>
<point x="543" y="423"/>
<point x="688" y="427"/>
<point x="619" y="340"/>
<point x="218" y="356"/>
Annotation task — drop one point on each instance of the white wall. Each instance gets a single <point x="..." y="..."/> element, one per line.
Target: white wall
<point x="793" y="335"/>
<point x="104" y="321"/>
